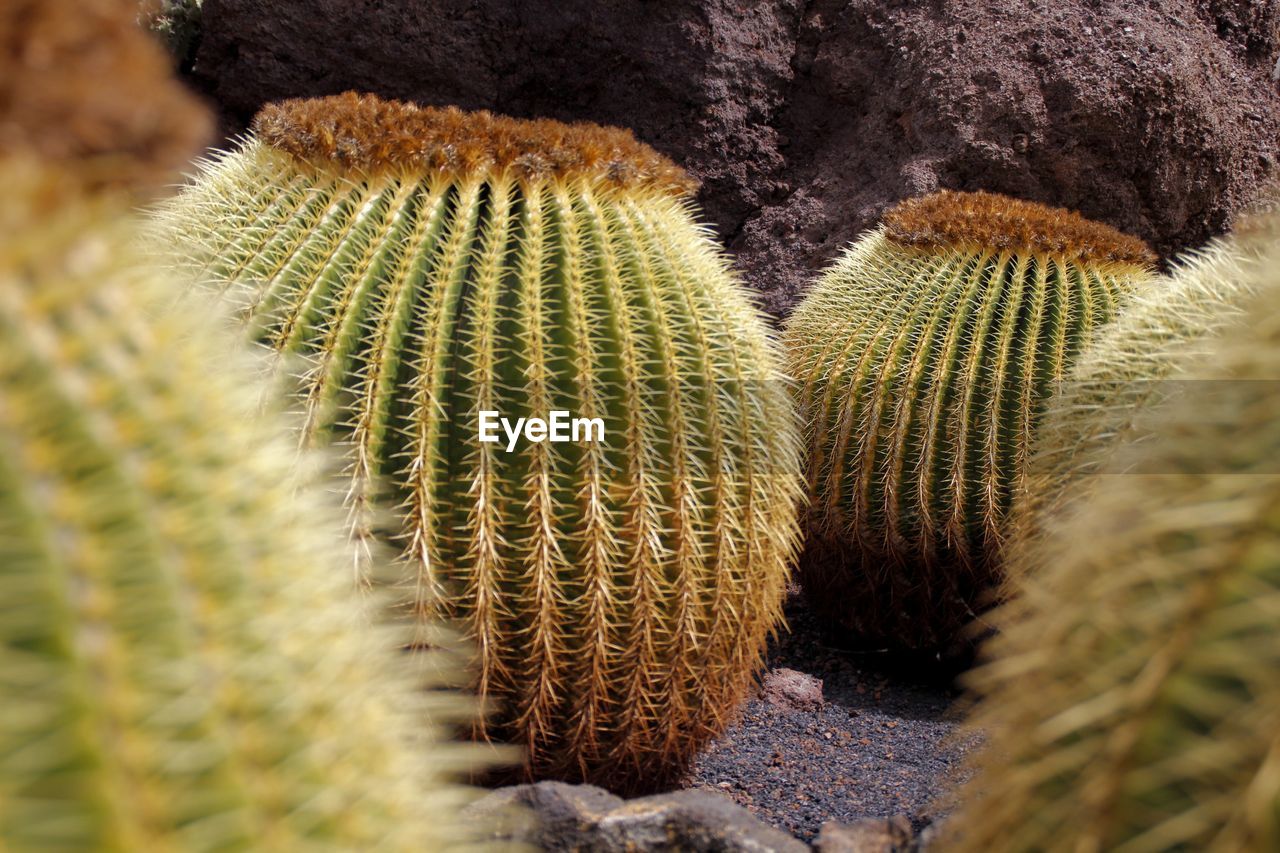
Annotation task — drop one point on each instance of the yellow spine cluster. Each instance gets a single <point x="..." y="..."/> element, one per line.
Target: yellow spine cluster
<point x="183" y="665"/>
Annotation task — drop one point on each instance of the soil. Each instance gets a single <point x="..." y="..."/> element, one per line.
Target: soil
<point x="806" y="119"/>
<point x="882" y="743"/>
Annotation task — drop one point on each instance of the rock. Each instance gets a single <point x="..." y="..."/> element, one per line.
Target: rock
<point x="865" y="836"/>
<point x="564" y="817"/>
<point x="792" y="689"/>
<point x="693" y="820"/>
<point x="530" y="814"/>
<point x="805" y="120"/>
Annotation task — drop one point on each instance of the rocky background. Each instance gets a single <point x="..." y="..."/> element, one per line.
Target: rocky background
<point x="807" y="118"/>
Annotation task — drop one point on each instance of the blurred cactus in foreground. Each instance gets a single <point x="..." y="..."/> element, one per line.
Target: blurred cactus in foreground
<point x="924" y="357"/>
<point x="183" y="663"/>
<point x="426" y="265"/>
<point x="1132" y="698"/>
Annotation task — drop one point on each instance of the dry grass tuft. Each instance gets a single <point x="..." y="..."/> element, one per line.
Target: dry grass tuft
<point x="992" y="221"/>
<point x="366" y="133"/>
<point x="81" y="85"/>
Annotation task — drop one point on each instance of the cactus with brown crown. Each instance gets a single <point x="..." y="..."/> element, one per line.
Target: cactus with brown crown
<point x="1132" y="698"/>
<point x="923" y="359"/>
<point x="426" y="265"/>
<point x="1131" y="367"/>
<point x="183" y="665"/>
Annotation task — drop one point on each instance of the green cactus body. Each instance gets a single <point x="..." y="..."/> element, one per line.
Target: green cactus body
<point x="620" y="592"/>
<point x="1131" y="367"/>
<point x="1132" y="699"/>
<point x="182" y="663"/>
<point x="923" y="358"/>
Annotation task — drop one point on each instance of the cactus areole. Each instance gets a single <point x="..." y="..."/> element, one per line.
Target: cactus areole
<point x="424" y="266"/>
<point x="923" y="359"/>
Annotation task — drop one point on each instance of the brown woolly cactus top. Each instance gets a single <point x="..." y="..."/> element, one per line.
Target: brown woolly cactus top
<point x="83" y="87"/>
<point x="366" y="133"/>
<point x="954" y="219"/>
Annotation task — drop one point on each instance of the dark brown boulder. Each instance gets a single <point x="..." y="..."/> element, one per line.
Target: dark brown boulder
<point x="806" y="120"/>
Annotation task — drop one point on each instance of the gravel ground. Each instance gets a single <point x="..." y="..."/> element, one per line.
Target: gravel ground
<point x="879" y="744"/>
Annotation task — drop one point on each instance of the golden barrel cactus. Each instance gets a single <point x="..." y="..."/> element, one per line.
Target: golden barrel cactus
<point x="923" y="358"/>
<point x="1132" y="699"/>
<point x="422" y="267"/>
<point x="82" y="86"/>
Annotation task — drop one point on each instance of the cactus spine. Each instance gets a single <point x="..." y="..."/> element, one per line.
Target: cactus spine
<point x="1131" y="699"/>
<point x="923" y="358"/>
<point x="428" y="265"/>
